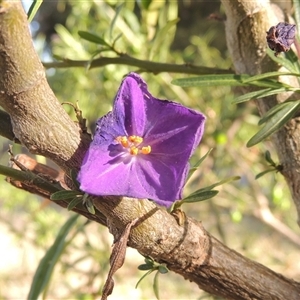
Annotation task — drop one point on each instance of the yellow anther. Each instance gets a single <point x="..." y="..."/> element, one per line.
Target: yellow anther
<point x="123" y="141"/>
<point x="135" y="139"/>
<point x="132" y="144"/>
<point x="146" y="150"/>
<point x="134" y="150"/>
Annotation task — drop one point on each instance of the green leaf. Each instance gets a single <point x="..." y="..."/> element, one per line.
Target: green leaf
<point x="90" y="206"/>
<point x="292" y="57"/>
<point x="46" y="266"/>
<point x="33" y="9"/>
<point x="74" y="202"/>
<point x="149" y="261"/>
<point x="198" y="163"/>
<point x="113" y="22"/>
<point x="263" y="93"/>
<point x="275" y="122"/>
<point x="116" y="39"/>
<point x="265" y="172"/>
<point x="199" y="196"/>
<point x="74" y="174"/>
<point x="269" y="159"/>
<point x="149" y="272"/>
<point x="211" y="80"/>
<point x="274" y="110"/>
<point x="161" y="37"/>
<point x="155" y="285"/>
<point x="162" y="269"/>
<point x="269" y="75"/>
<point x="280" y="59"/>
<point x="92" y="38"/>
<point x="226" y="180"/>
<point x="145" y="267"/>
<point x="223" y="80"/>
<point x="268" y="84"/>
<point x="64" y="195"/>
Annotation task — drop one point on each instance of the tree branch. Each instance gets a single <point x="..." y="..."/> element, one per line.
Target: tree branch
<point x="44" y="128"/>
<point x="126" y="60"/>
<point x="36" y="115"/>
<point x="246" y="26"/>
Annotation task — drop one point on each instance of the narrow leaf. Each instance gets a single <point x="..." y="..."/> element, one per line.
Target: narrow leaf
<point x="280" y="59"/>
<point x="211" y="80"/>
<point x="210" y="187"/>
<point x="74" y="202"/>
<point x="265" y="172"/>
<point x="155" y="285"/>
<point x="161" y="36"/>
<point x="74" y="174"/>
<point x="113" y="22"/>
<point x="64" y="195"/>
<point x="145" y="267"/>
<point x="275" y="122"/>
<point x="268" y="84"/>
<point x="269" y="75"/>
<point x="294" y="59"/>
<point x="46" y="266"/>
<point x="200" y="196"/>
<point x="33" y="9"/>
<point x="90" y="206"/>
<point x="263" y="93"/>
<point x="251" y="95"/>
<point x="198" y="163"/>
<point x="269" y="158"/>
<point x="140" y="280"/>
<point x="117" y="37"/>
<point x="92" y="38"/>
<point x="274" y="110"/>
<point x="149" y="260"/>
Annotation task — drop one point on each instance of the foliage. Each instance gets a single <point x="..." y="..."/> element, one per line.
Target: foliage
<point x="109" y="28"/>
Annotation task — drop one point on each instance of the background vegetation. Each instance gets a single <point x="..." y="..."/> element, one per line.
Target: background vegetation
<point x="255" y="217"/>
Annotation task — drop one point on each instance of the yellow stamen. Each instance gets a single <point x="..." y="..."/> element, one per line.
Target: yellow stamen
<point x="146" y="150"/>
<point x="132" y="143"/>
<point x="134" y="150"/>
<point x="135" y="139"/>
<point x="123" y="141"/>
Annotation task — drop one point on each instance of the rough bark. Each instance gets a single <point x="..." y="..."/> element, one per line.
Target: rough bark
<point x="42" y="126"/>
<point x="246" y="26"/>
<point x="36" y="115"/>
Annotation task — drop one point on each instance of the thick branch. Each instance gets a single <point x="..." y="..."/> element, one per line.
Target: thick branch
<point x="246" y="26"/>
<point x="40" y="123"/>
<point x="192" y="252"/>
<point x="36" y="115"/>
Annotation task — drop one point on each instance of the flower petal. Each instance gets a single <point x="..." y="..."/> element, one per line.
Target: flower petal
<point x="130" y="107"/>
<point x="170" y="129"/>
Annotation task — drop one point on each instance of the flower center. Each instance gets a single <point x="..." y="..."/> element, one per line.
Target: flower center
<point x="133" y="144"/>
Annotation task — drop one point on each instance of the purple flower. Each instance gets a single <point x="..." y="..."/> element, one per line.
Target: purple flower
<point x="142" y="147"/>
<point x="281" y="37"/>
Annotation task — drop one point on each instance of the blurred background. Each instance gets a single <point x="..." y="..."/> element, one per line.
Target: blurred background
<point x="255" y="217"/>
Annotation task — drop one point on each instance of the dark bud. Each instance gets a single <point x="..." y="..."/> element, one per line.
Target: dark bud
<point x="281" y="37"/>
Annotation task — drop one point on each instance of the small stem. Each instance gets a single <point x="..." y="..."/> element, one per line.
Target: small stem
<point x="28" y="176"/>
<point x="148" y="66"/>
